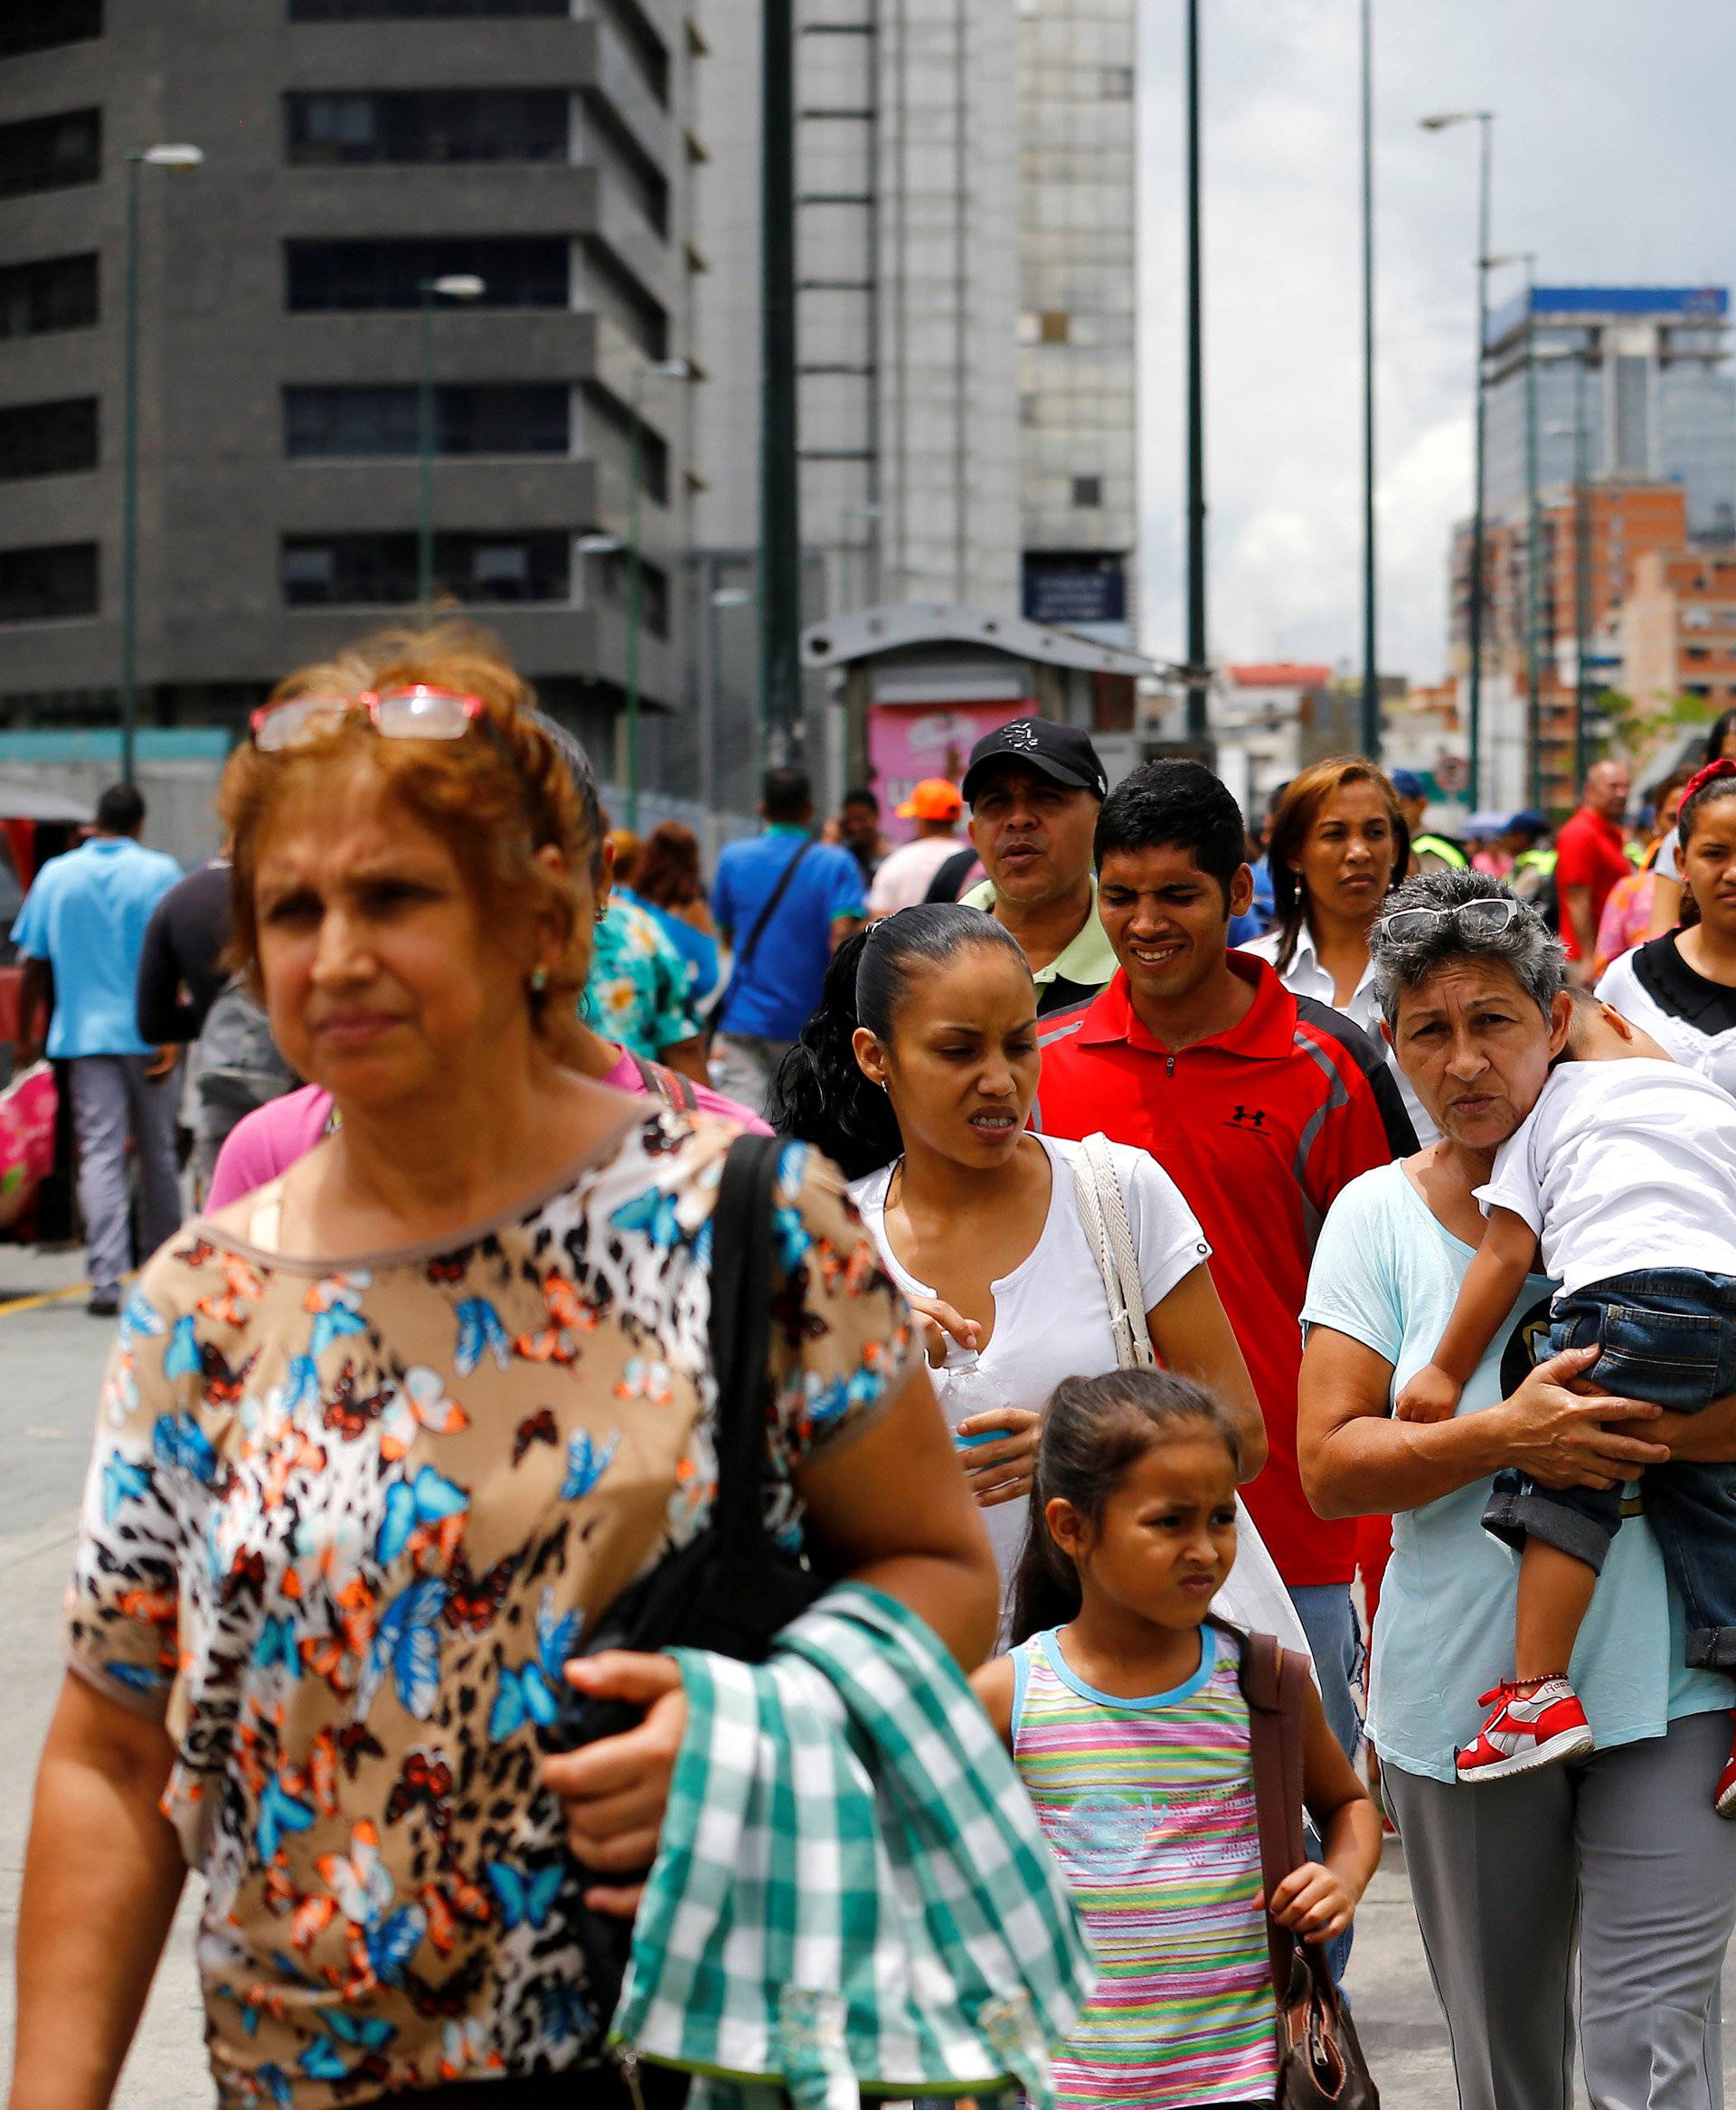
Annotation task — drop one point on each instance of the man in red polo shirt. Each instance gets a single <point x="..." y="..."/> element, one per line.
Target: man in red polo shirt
<point x="1261" y="1105"/>
<point x="1591" y="856"/>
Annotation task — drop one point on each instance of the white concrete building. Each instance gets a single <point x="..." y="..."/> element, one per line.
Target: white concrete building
<point x="1077" y="322"/>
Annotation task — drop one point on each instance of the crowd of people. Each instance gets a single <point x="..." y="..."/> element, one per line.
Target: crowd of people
<point x="1292" y="1231"/>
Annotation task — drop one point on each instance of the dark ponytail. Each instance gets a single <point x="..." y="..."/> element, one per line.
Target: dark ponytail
<point x="1094" y="1429"/>
<point x="820" y="1095"/>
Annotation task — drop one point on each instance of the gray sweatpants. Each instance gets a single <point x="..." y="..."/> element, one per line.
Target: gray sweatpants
<point x="113" y="1099"/>
<point x="743" y="1065"/>
<point x="1623" y="1854"/>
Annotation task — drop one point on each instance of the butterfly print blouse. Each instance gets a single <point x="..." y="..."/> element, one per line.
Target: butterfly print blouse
<point x="341" y="1526"/>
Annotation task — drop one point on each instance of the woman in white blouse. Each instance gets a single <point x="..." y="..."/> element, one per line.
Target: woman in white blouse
<point x="1339" y="845"/>
<point x="916" y="1074"/>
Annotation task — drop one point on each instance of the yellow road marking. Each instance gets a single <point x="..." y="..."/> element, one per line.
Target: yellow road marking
<point x="45" y="1297"/>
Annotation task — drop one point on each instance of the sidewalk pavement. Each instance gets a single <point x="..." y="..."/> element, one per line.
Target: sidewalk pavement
<point x="51" y="1355"/>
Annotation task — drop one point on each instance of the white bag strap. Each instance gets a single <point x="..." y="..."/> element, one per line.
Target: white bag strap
<point x="1103" y="1209"/>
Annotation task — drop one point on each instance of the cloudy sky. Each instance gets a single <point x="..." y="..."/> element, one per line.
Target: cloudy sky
<point x="1615" y="160"/>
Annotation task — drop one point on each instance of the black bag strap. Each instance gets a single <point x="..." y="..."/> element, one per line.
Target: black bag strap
<point x="770" y="910"/>
<point x="949" y="877"/>
<point x="669" y="1085"/>
<point x="740" y="1339"/>
<point x="1274" y="1683"/>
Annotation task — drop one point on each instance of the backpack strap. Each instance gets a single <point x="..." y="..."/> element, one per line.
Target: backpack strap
<point x="741" y="1337"/>
<point x="669" y="1085"/>
<point x="1274" y="1683"/>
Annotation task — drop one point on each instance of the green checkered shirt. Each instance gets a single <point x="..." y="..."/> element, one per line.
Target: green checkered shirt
<point x="853" y="1891"/>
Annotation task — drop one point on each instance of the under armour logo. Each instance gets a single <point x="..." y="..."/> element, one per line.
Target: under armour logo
<point x="1248" y="1117"/>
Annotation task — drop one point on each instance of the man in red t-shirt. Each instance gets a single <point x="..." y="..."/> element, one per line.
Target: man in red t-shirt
<point x="1261" y="1105"/>
<point x="1591" y="856"/>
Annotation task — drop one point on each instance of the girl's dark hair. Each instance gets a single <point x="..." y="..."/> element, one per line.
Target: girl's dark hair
<point x="1717" y="732"/>
<point x="1093" y="1429"/>
<point x="1295" y="815"/>
<point x="820" y="1095"/>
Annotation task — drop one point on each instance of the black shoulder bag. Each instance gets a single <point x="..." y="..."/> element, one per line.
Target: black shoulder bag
<point x="731" y="1590"/>
<point x="757" y="928"/>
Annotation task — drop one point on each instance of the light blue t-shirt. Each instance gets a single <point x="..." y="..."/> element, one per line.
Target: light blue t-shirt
<point x="86" y="916"/>
<point x="772" y="995"/>
<point x="1386" y="1272"/>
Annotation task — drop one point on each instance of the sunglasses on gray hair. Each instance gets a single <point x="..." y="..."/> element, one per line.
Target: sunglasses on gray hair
<point x="1487" y="915"/>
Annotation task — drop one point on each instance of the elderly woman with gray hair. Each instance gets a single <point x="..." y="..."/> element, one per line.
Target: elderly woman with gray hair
<point x="1621" y="1854"/>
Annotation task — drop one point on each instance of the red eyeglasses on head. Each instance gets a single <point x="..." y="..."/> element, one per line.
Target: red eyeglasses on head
<point x="415" y="713"/>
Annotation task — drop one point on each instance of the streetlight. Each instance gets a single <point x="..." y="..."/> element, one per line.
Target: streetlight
<point x="1197" y="675"/>
<point x="169" y="157"/>
<point x="1485" y="121"/>
<point x="1581" y="572"/>
<point x="454" y="285"/>
<point x="1370" y="673"/>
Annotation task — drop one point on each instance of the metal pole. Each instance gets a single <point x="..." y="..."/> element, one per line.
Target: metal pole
<point x="1371" y="727"/>
<point x="1534" y="554"/>
<point x="780" y="548"/>
<point x="425" y="459"/>
<point x="1485" y="122"/>
<point x="1581" y="579"/>
<point x="636" y="479"/>
<point x="129" y="491"/>
<point x="1196" y="650"/>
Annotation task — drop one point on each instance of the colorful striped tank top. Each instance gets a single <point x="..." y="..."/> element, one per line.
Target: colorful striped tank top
<point x="1148" y="1806"/>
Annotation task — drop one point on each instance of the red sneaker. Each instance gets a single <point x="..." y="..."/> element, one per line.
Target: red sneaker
<point x="1724" y="1800"/>
<point x="1526" y="1730"/>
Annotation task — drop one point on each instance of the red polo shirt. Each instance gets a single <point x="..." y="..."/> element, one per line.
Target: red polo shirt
<point x="1588" y="852"/>
<point x="1260" y="1128"/>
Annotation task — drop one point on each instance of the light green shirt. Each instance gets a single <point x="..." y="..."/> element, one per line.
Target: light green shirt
<point x="1088" y="961"/>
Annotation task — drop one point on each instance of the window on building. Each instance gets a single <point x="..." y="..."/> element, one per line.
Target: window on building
<point x="50" y="154"/>
<point x="48" y="440"/>
<point x="1054" y="327"/>
<point x="48" y="582"/>
<point x="38" y="25"/>
<point x="614" y="292"/>
<point x="615" y="148"/>
<point x="57" y="293"/>
<point x="427" y="125"/>
<point x="321" y="571"/>
<point x="516" y="271"/>
<point x="646" y="48"/>
<point x="424" y="10"/>
<point x="1116" y="84"/>
<point x="360" y="421"/>
<point x="1088" y="491"/>
<point x="1633" y="415"/>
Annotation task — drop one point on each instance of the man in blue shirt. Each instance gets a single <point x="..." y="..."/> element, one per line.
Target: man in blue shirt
<point x="83" y="922"/>
<point x="784" y="903"/>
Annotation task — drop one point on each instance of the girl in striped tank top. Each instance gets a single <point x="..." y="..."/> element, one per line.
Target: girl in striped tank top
<point x="1122" y="1707"/>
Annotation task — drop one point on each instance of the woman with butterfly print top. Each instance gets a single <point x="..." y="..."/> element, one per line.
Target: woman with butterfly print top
<point x="381" y="1443"/>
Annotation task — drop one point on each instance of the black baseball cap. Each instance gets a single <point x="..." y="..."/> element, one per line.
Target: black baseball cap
<point x="1062" y="752"/>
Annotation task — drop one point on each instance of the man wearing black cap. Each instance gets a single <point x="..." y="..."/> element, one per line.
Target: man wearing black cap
<point x="1034" y="789"/>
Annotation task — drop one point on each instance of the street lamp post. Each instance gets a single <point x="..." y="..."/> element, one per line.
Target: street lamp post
<point x="454" y="286"/>
<point x="169" y="157"/>
<point x="1485" y="121"/>
<point x="1197" y="647"/>
<point x="1371" y="727"/>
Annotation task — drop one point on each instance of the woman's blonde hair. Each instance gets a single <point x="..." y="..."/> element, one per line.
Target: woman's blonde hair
<point x="495" y="798"/>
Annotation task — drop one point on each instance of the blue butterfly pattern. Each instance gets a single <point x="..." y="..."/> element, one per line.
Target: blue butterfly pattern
<point x="654" y="1213"/>
<point x="406" y="1646"/>
<point x="530" y="1690"/>
<point x="429" y="1499"/>
<point x="124" y="1480"/>
<point x="587" y="1462"/>
<point x="480" y="1333"/>
<point x="182" y="1445"/>
<point x="524" y="1899"/>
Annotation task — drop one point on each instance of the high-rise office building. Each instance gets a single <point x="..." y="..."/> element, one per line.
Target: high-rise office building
<point x="907" y="307"/>
<point x="499" y="187"/>
<point x="1643" y="369"/>
<point x="1077" y="322"/>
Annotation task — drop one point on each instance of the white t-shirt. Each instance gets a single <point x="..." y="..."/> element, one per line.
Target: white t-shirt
<point x="906" y="873"/>
<point x="1621" y="1166"/>
<point x="1051" y="1313"/>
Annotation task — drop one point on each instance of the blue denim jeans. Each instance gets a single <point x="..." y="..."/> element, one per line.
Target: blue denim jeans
<point x="1668" y="1335"/>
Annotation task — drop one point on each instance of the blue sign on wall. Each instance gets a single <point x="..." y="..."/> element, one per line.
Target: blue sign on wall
<point x="1067" y="588"/>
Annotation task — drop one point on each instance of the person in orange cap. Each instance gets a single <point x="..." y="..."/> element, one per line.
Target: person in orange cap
<point x="902" y="879"/>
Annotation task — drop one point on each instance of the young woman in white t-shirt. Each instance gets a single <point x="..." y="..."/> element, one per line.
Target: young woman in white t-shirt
<point x="917" y="1075"/>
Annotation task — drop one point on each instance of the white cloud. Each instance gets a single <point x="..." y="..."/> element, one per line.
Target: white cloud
<point x="1613" y="155"/>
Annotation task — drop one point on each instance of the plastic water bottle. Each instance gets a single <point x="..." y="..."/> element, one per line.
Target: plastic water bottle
<point x="967" y="1389"/>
